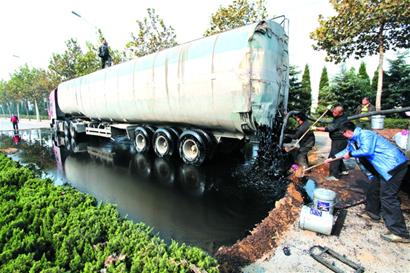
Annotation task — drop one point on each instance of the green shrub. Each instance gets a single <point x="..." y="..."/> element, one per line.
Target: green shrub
<point x="396" y="123"/>
<point x="48" y="228"/>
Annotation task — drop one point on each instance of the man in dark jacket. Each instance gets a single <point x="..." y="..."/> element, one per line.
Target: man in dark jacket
<point x="104" y="54"/>
<point x="364" y="108"/>
<point x="339" y="142"/>
<point x="389" y="166"/>
<point x="306" y="143"/>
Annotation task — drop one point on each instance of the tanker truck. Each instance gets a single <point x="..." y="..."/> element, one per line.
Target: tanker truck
<point x="184" y="100"/>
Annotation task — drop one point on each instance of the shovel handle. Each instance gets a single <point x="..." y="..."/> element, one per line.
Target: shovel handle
<point x="317" y="165"/>
<point x="314" y="123"/>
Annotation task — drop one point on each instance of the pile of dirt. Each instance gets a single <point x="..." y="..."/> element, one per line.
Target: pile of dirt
<point x="264" y="237"/>
<point x="9" y="150"/>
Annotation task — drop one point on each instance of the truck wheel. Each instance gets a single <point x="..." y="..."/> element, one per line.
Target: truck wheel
<point x="164" y="142"/>
<point x="73" y="132"/>
<point x="192" y="148"/>
<point x="142" y="139"/>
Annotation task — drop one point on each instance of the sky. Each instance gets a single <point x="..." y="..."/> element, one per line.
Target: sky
<point x="32" y="30"/>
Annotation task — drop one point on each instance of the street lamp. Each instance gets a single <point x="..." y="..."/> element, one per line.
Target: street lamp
<point x="79" y="16"/>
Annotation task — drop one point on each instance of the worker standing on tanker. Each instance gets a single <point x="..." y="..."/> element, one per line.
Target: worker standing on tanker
<point x="336" y="168"/>
<point x="364" y="108"/>
<point x="14" y="120"/>
<point x="104" y="54"/>
<point x="306" y="143"/>
<point x="390" y="165"/>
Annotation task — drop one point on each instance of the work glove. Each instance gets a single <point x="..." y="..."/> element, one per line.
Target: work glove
<point x="329" y="107"/>
<point x="313" y="128"/>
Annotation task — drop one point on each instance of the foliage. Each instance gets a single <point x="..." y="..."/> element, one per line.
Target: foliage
<point x="63" y="65"/>
<point x="364" y="27"/>
<point x="359" y="25"/>
<point x="45" y="228"/>
<point x="306" y="90"/>
<point x="152" y="36"/>
<point x="237" y="14"/>
<point x="347" y="89"/>
<point x="295" y="86"/>
<point x="397" y="83"/>
<point x="393" y="123"/>
<point x="324" y="91"/>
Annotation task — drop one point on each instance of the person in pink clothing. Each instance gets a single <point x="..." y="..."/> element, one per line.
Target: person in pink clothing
<point x="15" y="120"/>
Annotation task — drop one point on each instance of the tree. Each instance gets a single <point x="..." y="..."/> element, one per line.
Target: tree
<point x="152" y="36"/>
<point x="237" y="14"/>
<point x="63" y="66"/>
<point x="363" y="72"/>
<point x="363" y="82"/>
<point x="324" y="91"/>
<point x="306" y="90"/>
<point x="295" y="86"/>
<point x="397" y="82"/>
<point x="345" y="90"/>
<point x="29" y="84"/>
<point x="364" y="27"/>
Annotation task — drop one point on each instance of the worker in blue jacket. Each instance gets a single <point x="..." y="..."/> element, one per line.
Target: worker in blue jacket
<point x="389" y="168"/>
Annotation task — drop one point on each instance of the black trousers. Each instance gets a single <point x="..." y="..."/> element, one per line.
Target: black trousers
<point x="382" y="199"/>
<point x="15" y="126"/>
<point x="302" y="156"/>
<point x="336" y="167"/>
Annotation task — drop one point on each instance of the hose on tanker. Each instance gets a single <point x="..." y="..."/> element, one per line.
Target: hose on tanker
<point x="285" y="123"/>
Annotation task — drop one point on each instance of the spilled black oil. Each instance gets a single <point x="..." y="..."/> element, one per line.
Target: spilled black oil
<point x="267" y="175"/>
<point x="208" y="206"/>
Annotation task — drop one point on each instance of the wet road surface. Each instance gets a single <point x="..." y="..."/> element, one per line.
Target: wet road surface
<point x="201" y="206"/>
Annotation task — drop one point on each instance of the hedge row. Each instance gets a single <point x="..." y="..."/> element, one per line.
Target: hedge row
<point x="394" y="123"/>
<point x="48" y="228"/>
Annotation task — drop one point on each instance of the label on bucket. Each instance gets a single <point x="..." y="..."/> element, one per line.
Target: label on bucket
<point x="323" y="206"/>
<point x="315" y="212"/>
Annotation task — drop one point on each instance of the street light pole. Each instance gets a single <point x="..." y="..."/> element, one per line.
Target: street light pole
<point x="79" y="16"/>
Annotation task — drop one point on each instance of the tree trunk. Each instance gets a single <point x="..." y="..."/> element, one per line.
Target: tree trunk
<point x="37" y="112"/>
<point x="26" y="107"/>
<point x="18" y="109"/>
<point x="380" y="79"/>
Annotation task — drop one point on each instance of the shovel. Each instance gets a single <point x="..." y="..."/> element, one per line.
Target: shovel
<point x="301" y="171"/>
<point x="295" y="145"/>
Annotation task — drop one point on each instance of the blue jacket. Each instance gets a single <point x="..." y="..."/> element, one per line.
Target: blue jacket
<point x="383" y="155"/>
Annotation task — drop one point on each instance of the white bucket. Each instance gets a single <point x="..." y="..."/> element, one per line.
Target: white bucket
<point x="324" y="200"/>
<point x="377" y="122"/>
<point x="316" y="220"/>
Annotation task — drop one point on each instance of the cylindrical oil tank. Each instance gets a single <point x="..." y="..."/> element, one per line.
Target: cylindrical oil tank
<point x="226" y="83"/>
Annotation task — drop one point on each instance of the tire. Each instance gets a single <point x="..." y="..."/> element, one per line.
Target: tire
<point x="192" y="148"/>
<point x="142" y="138"/>
<point x="164" y="142"/>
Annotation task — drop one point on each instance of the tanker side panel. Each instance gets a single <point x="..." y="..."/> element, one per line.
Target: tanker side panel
<point x="231" y="81"/>
<point x="207" y="83"/>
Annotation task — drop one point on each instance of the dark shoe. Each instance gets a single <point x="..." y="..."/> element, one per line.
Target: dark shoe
<point x="390" y="237"/>
<point x="368" y="216"/>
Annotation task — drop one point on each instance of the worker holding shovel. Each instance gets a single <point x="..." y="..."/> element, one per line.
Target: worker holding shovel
<point x="390" y="166"/>
<point x="306" y="143"/>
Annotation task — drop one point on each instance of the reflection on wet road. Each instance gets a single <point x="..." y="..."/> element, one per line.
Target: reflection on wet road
<point x="200" y="206"/>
